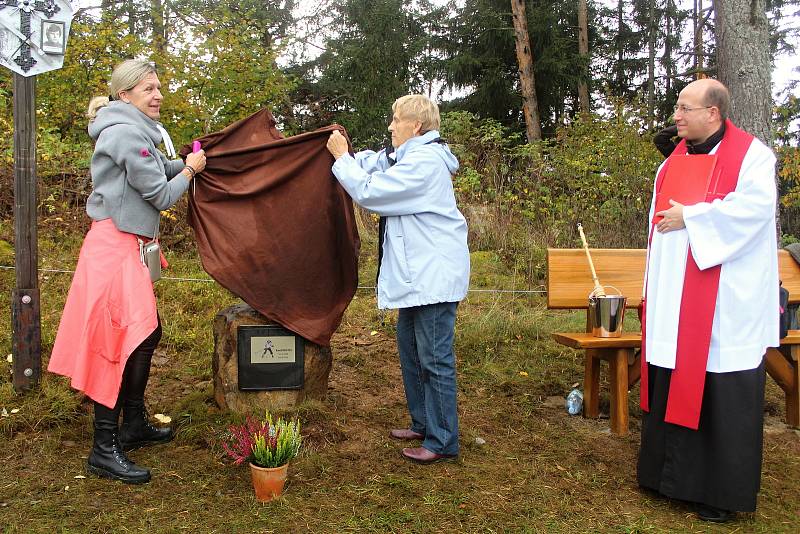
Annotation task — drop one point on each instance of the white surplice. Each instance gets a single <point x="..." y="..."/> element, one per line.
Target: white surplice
<point x="738" y="233"/>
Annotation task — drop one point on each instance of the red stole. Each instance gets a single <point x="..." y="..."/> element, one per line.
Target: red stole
<point x="699" y="298"/>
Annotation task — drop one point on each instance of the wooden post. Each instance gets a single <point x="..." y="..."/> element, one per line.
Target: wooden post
<point x="618" y="365"/>
<point x="26" y="343"/>
<point x="783" y="366"/>
<point x="591" y="384"/>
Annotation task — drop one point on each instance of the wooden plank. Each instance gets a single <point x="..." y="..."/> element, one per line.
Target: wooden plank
<point x="26" y="343"/>
<point x="789" y="272"/>
<point x="787" y="375"/>
<point x="569" y="279"/>
<point x="585" y="340"/>
<point x="779" y="369"/>
<point x="618" y="367"/>
<point x="792" y="338"/>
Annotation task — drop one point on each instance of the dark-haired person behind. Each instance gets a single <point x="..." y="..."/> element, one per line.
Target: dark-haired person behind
<point x="110" y="325"/>
<point x="664" y="140"/>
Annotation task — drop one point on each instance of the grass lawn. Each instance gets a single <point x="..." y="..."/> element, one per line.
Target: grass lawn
<point x="539" y="470"/>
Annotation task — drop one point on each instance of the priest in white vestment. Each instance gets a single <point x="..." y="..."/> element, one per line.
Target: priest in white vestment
<point x="711" y="310"/>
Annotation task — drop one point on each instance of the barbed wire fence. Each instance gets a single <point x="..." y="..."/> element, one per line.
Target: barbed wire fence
<point x="363" y="288"/>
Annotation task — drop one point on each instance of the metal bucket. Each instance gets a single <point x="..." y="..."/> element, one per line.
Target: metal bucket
<point x="606" y="314"/>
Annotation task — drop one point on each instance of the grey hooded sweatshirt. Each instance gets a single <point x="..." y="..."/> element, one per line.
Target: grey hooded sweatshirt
<point x="131" y="178"/>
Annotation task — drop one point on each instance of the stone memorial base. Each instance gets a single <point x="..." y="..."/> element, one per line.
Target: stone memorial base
<point x="318" y="363"/>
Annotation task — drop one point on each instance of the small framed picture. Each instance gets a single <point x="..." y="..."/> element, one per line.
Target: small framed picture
<point x="53" y="37"/>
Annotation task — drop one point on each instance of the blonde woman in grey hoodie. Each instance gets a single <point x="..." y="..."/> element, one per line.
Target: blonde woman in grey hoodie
<point x="110" y="325"/>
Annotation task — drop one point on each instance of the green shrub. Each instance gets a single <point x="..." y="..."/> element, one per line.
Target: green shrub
<point x="521" y="198"/>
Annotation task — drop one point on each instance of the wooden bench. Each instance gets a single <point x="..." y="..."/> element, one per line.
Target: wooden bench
<point x="569" y="282"/>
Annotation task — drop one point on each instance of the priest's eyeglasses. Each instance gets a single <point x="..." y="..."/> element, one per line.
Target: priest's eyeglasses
<point x="687" y="109"/>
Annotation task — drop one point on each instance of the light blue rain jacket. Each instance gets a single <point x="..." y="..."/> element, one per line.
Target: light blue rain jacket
<point x="425" y="255"/>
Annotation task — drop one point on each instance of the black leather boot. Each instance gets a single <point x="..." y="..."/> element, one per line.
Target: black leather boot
<point x="137" y="431"/>
<point x="107" y="459"/>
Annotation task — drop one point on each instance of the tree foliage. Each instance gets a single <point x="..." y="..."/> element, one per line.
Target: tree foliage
<point x="379" y="50"/>
<point x="346" y="61"/>
<point x="479" y="57"/>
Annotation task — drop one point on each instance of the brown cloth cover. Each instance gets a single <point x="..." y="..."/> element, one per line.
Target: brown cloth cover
<point x="274" y="226"/>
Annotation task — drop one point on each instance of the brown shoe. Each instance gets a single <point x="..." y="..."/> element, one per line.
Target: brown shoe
<point x="404" y="433"/>
<point x="421" y="455"/>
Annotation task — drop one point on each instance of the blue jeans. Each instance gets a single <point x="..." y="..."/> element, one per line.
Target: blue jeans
<point x="428" y="363"/>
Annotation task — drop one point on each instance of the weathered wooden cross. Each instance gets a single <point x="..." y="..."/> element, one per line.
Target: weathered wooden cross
<point x="26" y="7"/>
<point x="28" y="60"/>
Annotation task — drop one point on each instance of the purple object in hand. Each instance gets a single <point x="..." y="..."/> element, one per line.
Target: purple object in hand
<point x="195" y="146"/>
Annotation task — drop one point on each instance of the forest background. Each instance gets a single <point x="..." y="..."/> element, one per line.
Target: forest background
<point x="346" y="61"/>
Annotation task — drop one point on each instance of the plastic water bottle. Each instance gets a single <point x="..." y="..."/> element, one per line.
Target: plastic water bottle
<point x="574" y="402"/>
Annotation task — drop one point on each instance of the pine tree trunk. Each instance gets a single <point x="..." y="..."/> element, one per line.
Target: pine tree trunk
<point x="620" y="48"/>
<point x="530" y="106"/>
<point x="652" y="27"/>
<point x="668" y="51"/>
<point x="157" y="15"/>
<point x="131" y="9"/>
<point x="699" y="20"/>
<point x="583" y="51"/>
<point x="743" y="63"/>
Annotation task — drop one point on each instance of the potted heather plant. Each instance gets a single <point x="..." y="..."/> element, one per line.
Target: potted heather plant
<point x="267" y="446"/>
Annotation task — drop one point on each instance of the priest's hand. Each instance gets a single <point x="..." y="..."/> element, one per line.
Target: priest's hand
<point x="337" y="144"/>
<point x="672" y="218"/>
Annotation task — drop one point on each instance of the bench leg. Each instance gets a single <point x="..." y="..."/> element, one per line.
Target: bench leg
<point x="793" y="398"/>
<point x="618" y="364"/>
<point x="786" y="373"/>
<point x="591" y="385"/>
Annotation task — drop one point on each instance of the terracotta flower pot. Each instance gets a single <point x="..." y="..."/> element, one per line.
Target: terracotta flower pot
<point x="268" y="481"/>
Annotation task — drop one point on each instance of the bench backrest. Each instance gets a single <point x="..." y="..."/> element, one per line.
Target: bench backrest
<point x="569" y="279"/>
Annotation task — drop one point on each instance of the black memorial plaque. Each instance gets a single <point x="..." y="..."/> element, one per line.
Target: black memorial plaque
<point x="269" y="357"/>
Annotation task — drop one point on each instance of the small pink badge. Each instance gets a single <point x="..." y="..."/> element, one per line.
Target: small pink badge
<point x="144" y="152"/>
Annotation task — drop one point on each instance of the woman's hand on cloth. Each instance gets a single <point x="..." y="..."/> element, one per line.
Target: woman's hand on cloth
<point x="337" y="144"/>
<point x="195" y="162"/>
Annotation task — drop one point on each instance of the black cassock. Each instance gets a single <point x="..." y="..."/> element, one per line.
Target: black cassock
<point x="719" y="464"/>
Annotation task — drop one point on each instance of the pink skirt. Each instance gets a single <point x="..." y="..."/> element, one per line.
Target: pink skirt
<point x="110" y="310"/>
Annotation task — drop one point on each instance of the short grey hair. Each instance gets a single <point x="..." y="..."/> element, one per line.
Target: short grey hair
<point x="419" y="108"/>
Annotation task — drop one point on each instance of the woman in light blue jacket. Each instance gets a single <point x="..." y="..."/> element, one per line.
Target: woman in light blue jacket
<point x="423" y="265"/>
